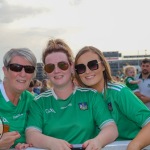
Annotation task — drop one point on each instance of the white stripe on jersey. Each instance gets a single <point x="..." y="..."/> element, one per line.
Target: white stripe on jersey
<point x="52" y="93"/>
<point x="115" y="86"/>
<point x="44" y="94"/>
<point x="86" y="89"/>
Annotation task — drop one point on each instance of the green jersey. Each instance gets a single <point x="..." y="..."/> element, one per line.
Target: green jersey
<point x="15" y="116"/>
<point x="129" y="113"/>
<point x="133" y="87"/>
<point x="73" y="119"/>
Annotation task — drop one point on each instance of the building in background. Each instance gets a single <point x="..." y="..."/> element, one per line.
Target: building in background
<point x="117" y="61"/>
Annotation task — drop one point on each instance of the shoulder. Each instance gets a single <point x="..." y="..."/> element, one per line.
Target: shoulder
<point x="27" y="94"/>
<point x="88" y="93"/>
<point x="44" y="95"/>
<point x="86" y="90"/>
<point x="116" y="86"/>
<point x="26" y="98"/>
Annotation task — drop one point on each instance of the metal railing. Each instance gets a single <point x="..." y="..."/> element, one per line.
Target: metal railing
<point x="117" y="145"/>
<point x="120" y="145"/>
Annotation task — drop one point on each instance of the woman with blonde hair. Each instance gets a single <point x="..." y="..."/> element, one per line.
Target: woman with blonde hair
<point x="130" y="114"/>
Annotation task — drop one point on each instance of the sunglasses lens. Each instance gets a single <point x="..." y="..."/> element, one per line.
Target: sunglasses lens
<point x="29" y="69"/>
<point x="81" y="68"/>
<point x="93" y="65"/>
<point x="18" y="68"/>
<point x="15" y="67"/>
<point x="49" y="68"/>
<point x="63" y="65"/>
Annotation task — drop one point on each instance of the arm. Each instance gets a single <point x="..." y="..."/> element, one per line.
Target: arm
<point x="8" y="139"/>
<point x="144" y="99"/>
<point x="141" y="140"/>
<point x="107" y="135"/>
<point x="39" y="140"/>
<point x="134" y="81"/>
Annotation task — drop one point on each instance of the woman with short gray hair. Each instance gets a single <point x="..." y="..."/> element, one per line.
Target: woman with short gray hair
<point x="19" y="69"/>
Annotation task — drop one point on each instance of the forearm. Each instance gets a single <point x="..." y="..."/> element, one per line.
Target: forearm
<point x="38" y="139"/>
<point x="108" y="134"/>
<point x="134" y="82"/>
<point x="141" y="140"/>
<point x="144" y="99"/>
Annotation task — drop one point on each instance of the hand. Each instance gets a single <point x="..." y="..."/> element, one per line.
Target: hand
<point x="8" y="139"/>
<point x="145" y="99"/>
<point x="21" y="146"/>
<point x="58" y="144"/>
<point x="133" y="146"/>
<point x="92" y="144"/>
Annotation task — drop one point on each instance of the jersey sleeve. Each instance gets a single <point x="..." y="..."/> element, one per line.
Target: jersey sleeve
<point x="35" y="116"/>
<point x="129" y="80"/>
<point x="133" y="108"/>
<point x="101" y="113"/>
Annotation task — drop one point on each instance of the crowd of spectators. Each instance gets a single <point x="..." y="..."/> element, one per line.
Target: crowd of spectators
<point x="37" y="87"/>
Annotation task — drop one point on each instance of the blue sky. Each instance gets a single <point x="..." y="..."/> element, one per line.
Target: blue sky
<point x="110" y="25"/>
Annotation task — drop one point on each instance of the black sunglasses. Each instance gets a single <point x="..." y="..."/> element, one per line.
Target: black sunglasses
<point x="49" y="68"/>
<point x="18" y="68"/>
<point x="92" y="65"/>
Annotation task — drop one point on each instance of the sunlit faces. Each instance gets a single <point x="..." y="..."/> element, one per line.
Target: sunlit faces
<point x="91" y="77"/>
<point x="59" y="77"/>
<point x="18" y="81"/>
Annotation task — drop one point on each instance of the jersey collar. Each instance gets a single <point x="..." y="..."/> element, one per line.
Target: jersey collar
<point x="56" y="97"/>
<point x="141" y="76"/>
<point x="3" y="92"/>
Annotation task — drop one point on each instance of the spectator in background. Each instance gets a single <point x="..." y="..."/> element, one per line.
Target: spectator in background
<point x="130" y="73"/>
<point x="30" y="88"/>
<point x="19" y="69"/>
<point x="116" y="78"/>
<point x="131" y="115"/>
<point x="120" y="75"/>
<point x="144" y="85"/>
<point x="37" y="86"/>
<point x="45" y="85"/>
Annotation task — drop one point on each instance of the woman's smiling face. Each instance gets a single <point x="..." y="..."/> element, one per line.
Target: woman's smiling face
<point x="91" y="77"/>
<point x="59" y="77"/>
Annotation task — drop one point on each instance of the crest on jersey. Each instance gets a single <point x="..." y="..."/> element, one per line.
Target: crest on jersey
<point x="83" y="106"/>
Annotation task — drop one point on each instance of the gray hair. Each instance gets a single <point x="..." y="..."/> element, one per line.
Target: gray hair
<point x="23" y="52"/>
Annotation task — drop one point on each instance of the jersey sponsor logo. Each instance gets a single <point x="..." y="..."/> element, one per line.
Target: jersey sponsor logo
<point x="17" y="116"/>
<point x="66" y="106"/>
<point x="83" y="106"/>
<point x="110" y="106"/>
<point x="51" y="110"/>
<point x="4" y="120"/>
